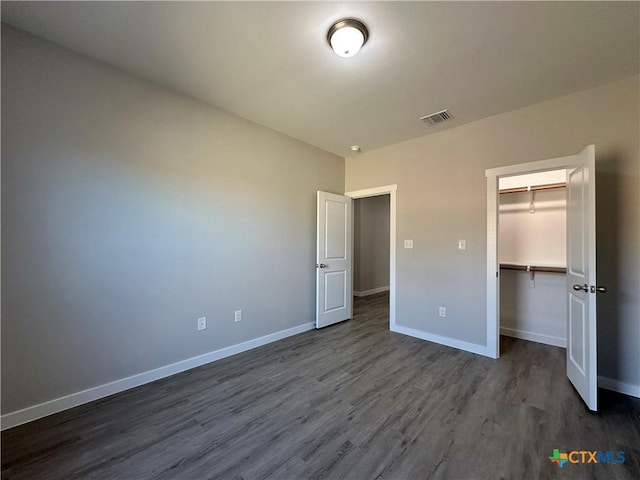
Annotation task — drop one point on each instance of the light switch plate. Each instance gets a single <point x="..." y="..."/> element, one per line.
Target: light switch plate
<point x="408" y="244"/>
<point x="462" y="244"/>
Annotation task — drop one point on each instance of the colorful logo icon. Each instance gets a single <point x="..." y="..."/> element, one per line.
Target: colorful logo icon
<point x="587" y="456"/>
<point x="559" y="458"/>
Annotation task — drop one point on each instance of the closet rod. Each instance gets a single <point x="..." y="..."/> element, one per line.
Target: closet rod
<point x="532" y="268"/>
<point x="550" y="186"/>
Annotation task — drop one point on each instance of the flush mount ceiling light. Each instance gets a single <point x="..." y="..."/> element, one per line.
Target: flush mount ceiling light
<point x="347" y="36"/>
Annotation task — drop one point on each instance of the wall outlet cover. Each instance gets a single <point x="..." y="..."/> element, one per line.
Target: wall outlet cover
<point x="408" y="244"/>
<point x="202" y="323"/>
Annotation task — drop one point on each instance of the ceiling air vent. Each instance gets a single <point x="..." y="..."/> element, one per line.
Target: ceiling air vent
<point x="437" y="117"/>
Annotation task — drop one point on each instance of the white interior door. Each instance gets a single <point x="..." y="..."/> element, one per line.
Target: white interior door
<point x="581" y="277"/>
<point x="333" y="259"/>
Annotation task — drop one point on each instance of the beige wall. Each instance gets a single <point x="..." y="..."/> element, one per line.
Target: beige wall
<point x="442" y="198"/>
<point x="371" y="243"/>
<point x="128" y="212"/>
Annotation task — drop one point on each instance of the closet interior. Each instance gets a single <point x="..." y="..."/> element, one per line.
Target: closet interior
<point x="532" y="253"/>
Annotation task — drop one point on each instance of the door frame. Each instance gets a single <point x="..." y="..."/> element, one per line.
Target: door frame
<point x="493" y="267"/>
<point x="374" y="192"/>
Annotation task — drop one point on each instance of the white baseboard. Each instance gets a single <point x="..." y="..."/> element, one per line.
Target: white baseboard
<point x="34" y="412"/>
<point x="534" y="337"/>
<point x="364" y="293"/>
<point x="447" y="341"/>
<point x="618" y="386"/>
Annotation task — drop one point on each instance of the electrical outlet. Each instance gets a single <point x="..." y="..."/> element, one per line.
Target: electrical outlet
<point x="238" y="316"/>
<point x="462" y="244"/>
<point x="442" y="311"/>
<point x="408" y="244"/>
<point x="202" y="323"/>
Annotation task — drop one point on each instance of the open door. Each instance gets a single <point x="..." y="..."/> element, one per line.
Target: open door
<point x="582" y="367"/>
<point x="333" y="259"/>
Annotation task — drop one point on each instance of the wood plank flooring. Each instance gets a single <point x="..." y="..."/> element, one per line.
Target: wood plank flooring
<point x="350" y="401"/>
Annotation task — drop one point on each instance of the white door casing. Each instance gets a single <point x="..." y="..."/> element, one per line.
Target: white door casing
<point x="334" y="300"/>
<point x="581" y="277"/>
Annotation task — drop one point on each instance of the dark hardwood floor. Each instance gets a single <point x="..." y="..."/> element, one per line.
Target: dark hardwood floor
<point x="350" y="401"/>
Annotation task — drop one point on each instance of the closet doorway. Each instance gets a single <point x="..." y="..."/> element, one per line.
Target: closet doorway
<point x="580" y="286"/>
<point x="532" y="252"/>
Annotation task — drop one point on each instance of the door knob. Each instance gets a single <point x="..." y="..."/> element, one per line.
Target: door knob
<point x="595" y="289"/>
<point x="322" y="265"/>
<point x="584" y="288"/>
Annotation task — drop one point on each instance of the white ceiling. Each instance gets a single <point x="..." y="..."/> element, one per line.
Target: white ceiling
<point x="269" y="62"/>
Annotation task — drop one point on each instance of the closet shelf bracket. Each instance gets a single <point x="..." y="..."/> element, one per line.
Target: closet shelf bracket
<point x="532" y="199"/>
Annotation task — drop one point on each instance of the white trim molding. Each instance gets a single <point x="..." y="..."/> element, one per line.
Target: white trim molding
<point x="373" y="291"/>
<point x="372" y="192"/>
<point x="446" y="341"/>
<point x="530" y="167"/>
<point x="534" y="337"/>
<point x="493" y="285"/>
<point x="618" y="386"/>
<point x="34" y="412"/>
